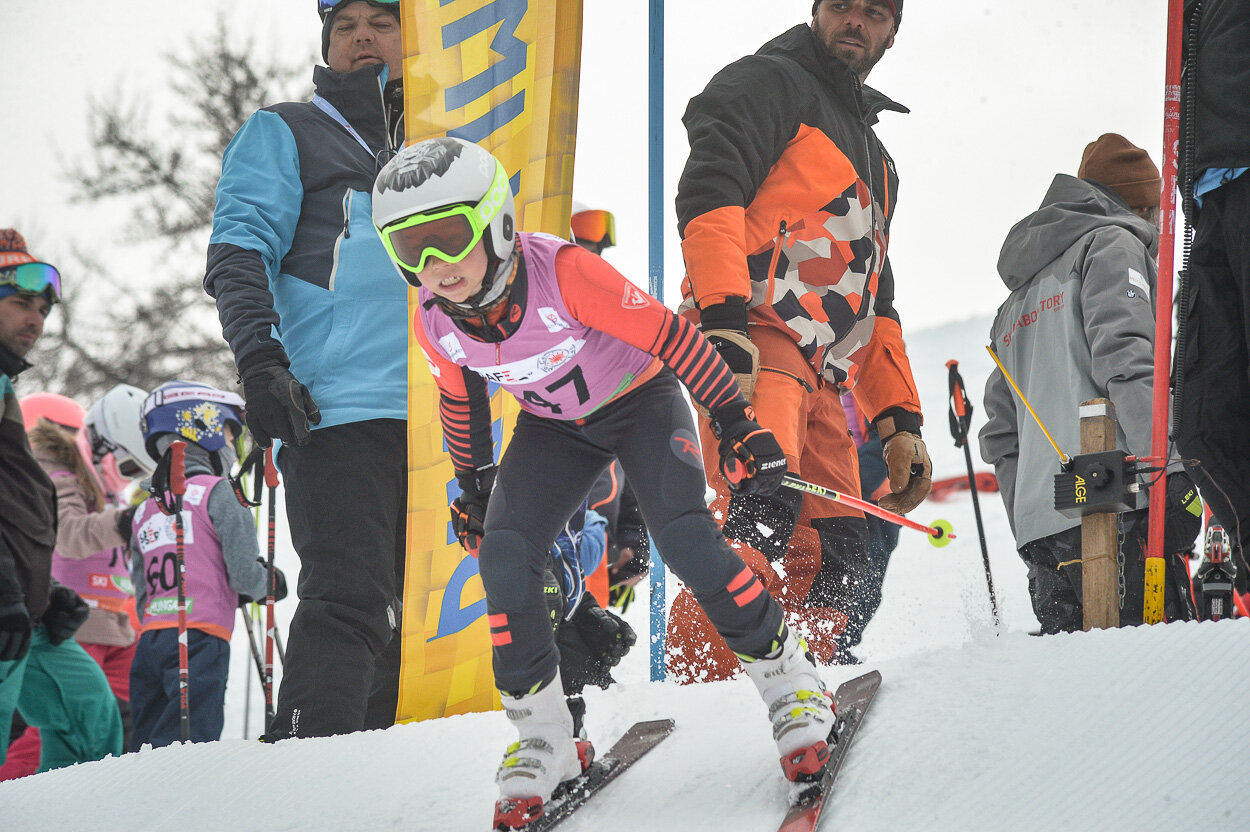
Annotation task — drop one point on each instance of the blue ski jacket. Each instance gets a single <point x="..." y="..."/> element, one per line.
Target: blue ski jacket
<point x="294" y="263"/>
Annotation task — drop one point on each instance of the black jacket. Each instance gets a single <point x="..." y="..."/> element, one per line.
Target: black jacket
<point x="27" y="504"/>
<point x="1221" y="117"/>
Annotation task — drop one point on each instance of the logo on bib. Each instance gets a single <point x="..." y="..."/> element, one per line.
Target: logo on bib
<point x="551" y="319"/>
<point x="451" y="345"/>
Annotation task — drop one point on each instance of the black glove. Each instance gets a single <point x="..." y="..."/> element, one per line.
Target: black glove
<point x="725" y="325"/>
<point x="65" y="614"/>
<point x="591" y="643"/>
<point x="1183" y="515"/>
<point x="750" y="458"/>
<point x="279" y="588"/>
<point x="278" y="406"/>
<point x="125" y="522"/>
<point x="14" y="631"/>
<point x="468" y="511"/>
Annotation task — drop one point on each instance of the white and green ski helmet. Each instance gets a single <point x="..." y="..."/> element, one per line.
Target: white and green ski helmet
<point x="112" y="427"/>
<point x="443" y="172"/>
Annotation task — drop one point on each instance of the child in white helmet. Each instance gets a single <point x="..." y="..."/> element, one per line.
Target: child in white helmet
<point x="595" y="364"/>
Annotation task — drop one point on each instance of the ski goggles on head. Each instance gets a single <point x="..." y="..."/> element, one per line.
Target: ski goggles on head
<point x="34" y="278"/>
<point x="595" y="227"/>
<point x="446" y="233"/>
<point x="324" y="7"/>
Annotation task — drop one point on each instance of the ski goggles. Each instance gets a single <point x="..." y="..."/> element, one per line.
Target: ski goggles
<point x="33" y="278"/>
<point x="324" y="7"/>
<point x="447" y="233"/>
<point x="595" y="227"/>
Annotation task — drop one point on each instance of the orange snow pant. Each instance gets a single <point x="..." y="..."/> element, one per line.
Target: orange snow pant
<point x="810" y="425"/>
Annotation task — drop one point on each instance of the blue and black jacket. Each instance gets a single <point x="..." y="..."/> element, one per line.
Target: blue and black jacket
<point x="294" y="263"/>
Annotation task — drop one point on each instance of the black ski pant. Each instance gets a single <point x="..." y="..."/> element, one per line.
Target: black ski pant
<point x="1214" y="427"/>
<point x="1055" y="578"/>
<point x="545" y="474"/>
<point x="346" y="497"/>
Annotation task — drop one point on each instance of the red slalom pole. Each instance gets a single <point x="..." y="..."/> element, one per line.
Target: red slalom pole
<point x="939" y="533"/>
<point x="178" y="486"/>
<point x="1152" y="607"/>
<point x="271" y="628"/>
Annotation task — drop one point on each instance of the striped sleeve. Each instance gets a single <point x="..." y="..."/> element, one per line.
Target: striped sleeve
<point x="463" y="409"/>
<point x="601" y="297"/>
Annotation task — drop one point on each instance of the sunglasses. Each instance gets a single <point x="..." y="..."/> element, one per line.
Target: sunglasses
<point x="447" y="233"/>
<point x="35" y="278"/>
<point x="595" y="227"/>
<point x="324" y="7"/>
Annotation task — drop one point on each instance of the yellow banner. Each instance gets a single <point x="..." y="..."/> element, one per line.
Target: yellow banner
<point x="504" y="74"/>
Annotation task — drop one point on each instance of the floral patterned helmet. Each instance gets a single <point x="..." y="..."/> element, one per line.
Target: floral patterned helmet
<point x="191" y="411"/>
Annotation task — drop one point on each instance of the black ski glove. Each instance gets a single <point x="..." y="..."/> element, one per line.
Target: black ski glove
<point x="468" y="511"/>
<point x="1182" y="517"/>
<point x="725" y="325"/>
<point x="125" y="522"/>
<point x="279" y="588"/>
<point x="14" y="631"/>
<point x="65" y="614"/>
<point x="278" y="406"/>
<point x="750" y="458"/>
<point x="591" y="643"/>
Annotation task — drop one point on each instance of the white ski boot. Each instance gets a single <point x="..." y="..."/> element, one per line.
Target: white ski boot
<point x="546" y="754"/>
<point x="801" y="709"/>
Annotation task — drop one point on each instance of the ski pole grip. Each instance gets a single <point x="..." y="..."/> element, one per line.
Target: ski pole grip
<point x="958" y="400"/>
<point x="178" y="468"/>
<point x="271" y="471"/>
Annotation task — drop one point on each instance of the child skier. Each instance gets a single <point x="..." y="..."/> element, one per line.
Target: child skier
<point x="221" y="556"/>
<point x="595" y="364"/>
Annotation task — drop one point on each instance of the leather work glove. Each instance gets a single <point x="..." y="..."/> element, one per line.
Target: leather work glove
<point x="14" y="631"/>
<point x="750" y="458"/>
<point x="468" y="511"/>
<point x="1182" y="516"/>
<point x="591" y="643"/>
<point x="725" y="325"/>
<point x="277" y="405"/>
<point x="906" y="460"/>
<point x="65" y="614"/>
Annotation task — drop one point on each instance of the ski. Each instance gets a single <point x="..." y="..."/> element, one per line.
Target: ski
<point x="571" y="795"/>
<point x="851" y="702"/>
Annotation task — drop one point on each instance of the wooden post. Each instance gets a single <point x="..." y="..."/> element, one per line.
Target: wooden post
<point x="1100" y="572"/>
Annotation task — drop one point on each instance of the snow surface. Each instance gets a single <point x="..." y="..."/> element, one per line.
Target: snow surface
<point x="974" y="729"/>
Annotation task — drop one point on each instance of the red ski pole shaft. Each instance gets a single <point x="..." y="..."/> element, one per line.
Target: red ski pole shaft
<point x="271" y="481"/>
<point x="178" y="485"/>
<point x="865" y="506"/>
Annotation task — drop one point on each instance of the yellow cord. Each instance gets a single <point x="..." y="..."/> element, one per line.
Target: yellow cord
<point x="1062" y="456"/>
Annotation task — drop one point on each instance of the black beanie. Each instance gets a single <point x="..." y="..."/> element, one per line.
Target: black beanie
<point x="393" y="8"/>
<point x="897" y="4"/>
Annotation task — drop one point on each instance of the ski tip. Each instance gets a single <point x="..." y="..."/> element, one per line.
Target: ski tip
<point x="945" y="533"/>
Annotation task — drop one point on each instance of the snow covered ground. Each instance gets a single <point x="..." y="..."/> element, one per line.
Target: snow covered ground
<point x="974" y="729"/>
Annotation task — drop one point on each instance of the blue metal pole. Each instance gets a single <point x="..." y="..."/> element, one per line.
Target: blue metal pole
<point x="655" y="282"/>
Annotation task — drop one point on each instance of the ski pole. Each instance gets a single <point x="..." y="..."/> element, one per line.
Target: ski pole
<point x="271" y="481"/>
<point x="961" y="419"/>
<point x="277" y="642"/>
<point x="178" y="485"/>
<point x="256" y="660"/>
<point x="940" y="533"/>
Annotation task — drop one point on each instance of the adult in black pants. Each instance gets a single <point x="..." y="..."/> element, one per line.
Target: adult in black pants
<point x="1214" y="368"/>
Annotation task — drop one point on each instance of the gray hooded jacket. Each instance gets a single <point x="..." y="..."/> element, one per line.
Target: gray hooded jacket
<point x="1078" y="325"/>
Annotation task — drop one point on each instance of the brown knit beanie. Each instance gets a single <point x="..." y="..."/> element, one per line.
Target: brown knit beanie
<point x="1123" y="167"/>
<point x="896" y="5"/>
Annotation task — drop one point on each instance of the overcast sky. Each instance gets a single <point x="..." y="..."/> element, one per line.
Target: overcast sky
<point x="1003" y="94"/>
